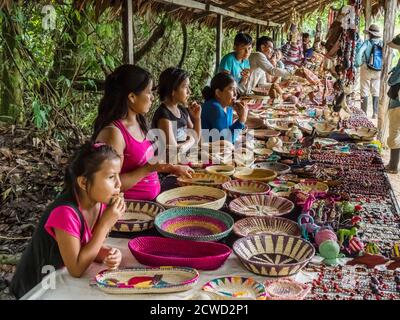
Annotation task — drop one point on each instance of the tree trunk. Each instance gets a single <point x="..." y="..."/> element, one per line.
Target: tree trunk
<point x="12" y="85"/>
<point x="390" y="19"/>
<point x="185" y="45"/>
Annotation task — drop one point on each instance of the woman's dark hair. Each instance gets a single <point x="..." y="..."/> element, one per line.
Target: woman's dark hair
<point x="220" y="81"/>
<point x="169" y="80"/>
<point x="243" y="38"/>
<point x="119" y="84"/>
<point x="262" y="41"/>
<point x="86" y="161"/>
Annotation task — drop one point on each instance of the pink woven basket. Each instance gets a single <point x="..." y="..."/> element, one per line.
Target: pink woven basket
<point x="157" y="251"/>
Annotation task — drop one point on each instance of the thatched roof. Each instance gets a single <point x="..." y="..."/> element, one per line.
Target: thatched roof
<point x="277" y="11"/>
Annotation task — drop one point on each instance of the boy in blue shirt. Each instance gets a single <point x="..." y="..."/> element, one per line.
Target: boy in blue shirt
<point x="237" y="63"/>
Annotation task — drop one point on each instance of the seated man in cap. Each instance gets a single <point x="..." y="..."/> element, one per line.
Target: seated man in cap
<point x="369" y="59"/>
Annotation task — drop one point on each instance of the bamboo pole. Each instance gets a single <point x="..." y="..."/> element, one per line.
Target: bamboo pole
<point x="388" y="34"/>
<point x="218" y="46"/>
<point x="127" y="27"/>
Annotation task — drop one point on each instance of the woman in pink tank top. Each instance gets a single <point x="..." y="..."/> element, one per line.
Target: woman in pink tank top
<point x="121" y="123"/>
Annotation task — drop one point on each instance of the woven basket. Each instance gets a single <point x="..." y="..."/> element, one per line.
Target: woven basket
<point x="324" y="129"/>
<point x="234" y="288"/>
<point x="204" y="179"/>
<point x="147" y="280"/>
<point x="325" y="141"/>
<point x="264" y="175"/>
<point x="197" y="224"/>
<point x="261" y="225"/>
<point x="279" y="125"/>
<point x="193" y="196"/>
<point x="157" y="251"/>
<point x="261" y="205"/>
<point x="138" y="216"/>
<point x="279" y="168"/>
<point x="284" y="151"/>
<point x="305" y="126"/>
<point x="254" y="123"/>
<point x="238" y="188"/>
<point x="274" y="255"/>
<point x="220" y="169"/>
<point x="262" y="152"/>
<point x="286" y="289"/>
<point x="281" y="188"/>
<point x="265" y="134"/>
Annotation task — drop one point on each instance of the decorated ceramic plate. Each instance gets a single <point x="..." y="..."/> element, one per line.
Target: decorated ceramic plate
<point x="227" y="288"/>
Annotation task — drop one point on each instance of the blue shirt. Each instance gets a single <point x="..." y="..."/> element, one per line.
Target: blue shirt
<point x="233" y="66"/>
<point x="213" y="116"/>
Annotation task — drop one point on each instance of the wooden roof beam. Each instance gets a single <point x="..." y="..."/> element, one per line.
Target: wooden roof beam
<point x="299" y="9"/>
<point x="218" y="10"/>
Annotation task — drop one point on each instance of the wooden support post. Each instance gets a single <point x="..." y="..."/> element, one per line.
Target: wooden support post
<point x="258" y="31"/>
<point x="367" y="15"/>
<point x="127" y="29"/>
<point x="388" y="34"/>
<point x="218" y="43"/>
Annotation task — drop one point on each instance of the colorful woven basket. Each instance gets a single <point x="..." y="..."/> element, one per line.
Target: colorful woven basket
<point x="147" y="280"/>
<point x="286" y="289"/>
<point x="238" y="188"/>
<point x="261" y="225"/>
<point x="261" y="205"/>
<point x="234" y="288"/>
<point x="324" y="129"/>
<point x="204" y="179"/>
<point x="138" y="216"/>
<point x="193" y="196"/>
<point x="279" y="168"/>
<point x="220" y="169"/>
<point x="311" y="186"/>
<point x="157" y="251"/>
<point x="196" y="224"/>
<point x="274" y="255"/>
<point x="264" y="175"/>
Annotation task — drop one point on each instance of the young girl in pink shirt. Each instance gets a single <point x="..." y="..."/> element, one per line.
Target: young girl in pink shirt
<point x="73" y="228"/>
<point x="121" y="124"/>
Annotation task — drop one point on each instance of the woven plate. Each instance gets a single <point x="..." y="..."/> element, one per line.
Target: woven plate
<point x="305" y="126"/>
<point x="193" y="196"/>
<point x="197" y="224"/>
<point x="261" y="225"/>
<point x="237" y="188"/>
<point x="365" y="134"/>
<point x="138" y="216"/>
<point x="324" y="128"/>
<point x="261" y="205"/>
<point x="281" y="188"/>
<point x="264" y="134"/>
<point x="279" y="168"/>
<point x="309" y="186"/>
<point x="284" y="151"/>
<point x="286" y="289"/>
<point x="220" y="169"/>
<point x="147" y="280"/>
<point x="254" y="123"/>
<point x="325" y="141"/>
<point x="263" y="151"/>
<point x="279" y="125"/>
<point x="255" y="174"/>
<point x="274" y="255"/>
<point x="204" y="179"/>
<point x="157" y="251"/>
<point x="227" y="288"/>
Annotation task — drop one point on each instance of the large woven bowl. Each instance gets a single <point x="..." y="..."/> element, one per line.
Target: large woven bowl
<point x="238" y="188"/>
<point x="221" y="169"/>
<point x="261" y="225"/>
<point x="261" y="205"/>
<point x="324" y="129"/>
<point x="264" y="134"/>
<point x="193" y="196"/>
<point x="264" y="175"/>
<point x="197" y="224"/>
<point x="279" y="168"/>
<point x="157" y="251"/>
<point x="204" y="179"/>
<point x="274" y="255"/>
<point x="286" y="289"/>
<point x="147" y="280"/>
<point x="138" y="216"/>
<point x="364" y="134"/>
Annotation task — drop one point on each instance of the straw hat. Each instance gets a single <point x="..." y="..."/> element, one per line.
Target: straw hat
<point x="374" y="30"/>
<point x="395" y="43"/>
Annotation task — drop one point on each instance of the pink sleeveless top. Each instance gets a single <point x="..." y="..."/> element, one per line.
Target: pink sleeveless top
<point x="137" y="154"/>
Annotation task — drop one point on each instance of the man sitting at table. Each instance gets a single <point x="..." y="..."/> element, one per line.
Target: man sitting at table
<point x="260" y="65"/>
<point x="237" y="62"/>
